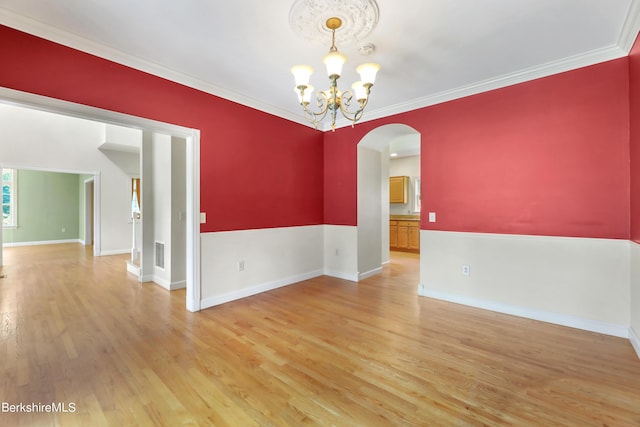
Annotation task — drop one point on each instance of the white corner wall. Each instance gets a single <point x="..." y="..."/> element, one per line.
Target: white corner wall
<point x="178" y="213"/>
<point x="577" y="282"/>
<point x="161" y="176"/>
<point x="341" y="251"/>
<point x="369" y="212"/>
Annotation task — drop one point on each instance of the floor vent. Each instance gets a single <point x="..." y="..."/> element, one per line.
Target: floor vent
<point x="160" y="255"/>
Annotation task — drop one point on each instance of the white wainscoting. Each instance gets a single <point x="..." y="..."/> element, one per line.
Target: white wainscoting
<point x="577" y="282"/>
<point x="237" y="264"/>
<point x="341" y="251"/>
<point x="635" y="341"/>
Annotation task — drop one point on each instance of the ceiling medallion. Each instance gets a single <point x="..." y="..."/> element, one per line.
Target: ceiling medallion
<point x="308" y="18"/>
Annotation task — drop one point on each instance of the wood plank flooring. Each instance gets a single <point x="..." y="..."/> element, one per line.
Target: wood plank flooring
<point x="79" y="330"/>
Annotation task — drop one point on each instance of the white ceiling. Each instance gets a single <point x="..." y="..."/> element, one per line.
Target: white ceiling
<point x="430" y="50"/>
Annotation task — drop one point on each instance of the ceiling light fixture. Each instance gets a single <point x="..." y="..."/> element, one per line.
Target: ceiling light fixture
<point x="332" y="99"/>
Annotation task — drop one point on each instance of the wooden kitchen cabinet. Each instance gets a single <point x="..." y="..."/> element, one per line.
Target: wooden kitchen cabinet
<point x="393" y="233"/>
<point x="398" y="189"/>
<point x="414" y="236"/>
<point x="404" y="235"/>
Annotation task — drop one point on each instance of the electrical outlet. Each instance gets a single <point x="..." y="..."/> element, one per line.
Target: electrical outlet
<point x="466" y="270"/>
<point x="203" y="217"/>
<point x="241" y="265"/>
<point x="64" y="230"/>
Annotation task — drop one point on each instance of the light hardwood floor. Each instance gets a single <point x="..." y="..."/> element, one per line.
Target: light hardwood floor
<point x="77" y="329"/>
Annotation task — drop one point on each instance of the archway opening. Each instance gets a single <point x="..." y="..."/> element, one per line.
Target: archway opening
<point x="375" y="166"/>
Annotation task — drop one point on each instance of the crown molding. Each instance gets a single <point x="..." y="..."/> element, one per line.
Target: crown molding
<point x="630" y="27"/>
<point x="45" y="31"/>
<point x="626" y="39"/>
<point x="545" y="70"/>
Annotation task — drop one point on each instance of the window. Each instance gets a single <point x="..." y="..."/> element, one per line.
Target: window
<point x="9" y="198"/>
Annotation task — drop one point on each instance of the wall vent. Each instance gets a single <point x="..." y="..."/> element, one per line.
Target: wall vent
<point x="160" y="255"/>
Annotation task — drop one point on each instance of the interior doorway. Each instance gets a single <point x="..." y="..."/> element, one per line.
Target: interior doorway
<point x="50" y="206"/>
<point x="191" y="138"/>
<point x="374" y="214"/>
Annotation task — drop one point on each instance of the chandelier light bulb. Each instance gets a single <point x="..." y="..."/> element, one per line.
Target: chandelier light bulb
<point x="305" y="98"/>
<point x="334" y="62"/>
<point x="302" y="74"/>
<point x="359" y="91"/>
<point x="368" y="73"/>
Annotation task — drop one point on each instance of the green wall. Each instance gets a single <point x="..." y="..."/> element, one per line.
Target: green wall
<point x="48" y="202"/>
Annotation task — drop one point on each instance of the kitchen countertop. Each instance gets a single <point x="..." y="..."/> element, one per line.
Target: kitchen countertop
<point x="404" y="217"/>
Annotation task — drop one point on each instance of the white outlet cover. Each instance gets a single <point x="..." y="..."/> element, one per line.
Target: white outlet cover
<point x="432" y="217"/>
<point x="203" y="217"/>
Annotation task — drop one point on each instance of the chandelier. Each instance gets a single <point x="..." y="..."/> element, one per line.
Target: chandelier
<point x="333" y="100"/>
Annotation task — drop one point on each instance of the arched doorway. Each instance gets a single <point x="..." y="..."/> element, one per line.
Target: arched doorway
<point x="373" y="192"/>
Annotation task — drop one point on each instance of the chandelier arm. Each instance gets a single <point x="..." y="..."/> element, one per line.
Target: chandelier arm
<point x="316" y="117"/>
<point x="352" y="116"/>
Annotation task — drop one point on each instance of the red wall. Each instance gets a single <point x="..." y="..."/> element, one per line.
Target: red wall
<point x="634" y="98"/>
<point x="257" y="170"/>
<point x="546" y="157"/>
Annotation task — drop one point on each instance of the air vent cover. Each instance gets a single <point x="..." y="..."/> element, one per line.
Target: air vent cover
<point x="160" y="255"/>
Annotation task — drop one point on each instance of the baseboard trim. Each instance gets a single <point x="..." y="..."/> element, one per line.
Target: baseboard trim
<point x="133" y="268"/>
<point x="606" y="328"/>
<point x="635" y="341"/>
<point x="181" y="284"/>
<point x="165" y="284"/>
<point x="254" y="290"/>
<point x="115" y="252"/>
<point x="367" y="274"/>
<point x="42" y="242"/>
<point x="341" y="275"/>
<point x="146" y="279"/>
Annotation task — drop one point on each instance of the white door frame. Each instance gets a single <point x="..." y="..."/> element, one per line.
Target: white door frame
<point x="192" y="137"/>
<point x="89" y="212"/>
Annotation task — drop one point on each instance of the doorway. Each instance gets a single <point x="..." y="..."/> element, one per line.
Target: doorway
<point x="373" y="194"/>
<point x="192" y="174"/>
<point x="49" y="206"/>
